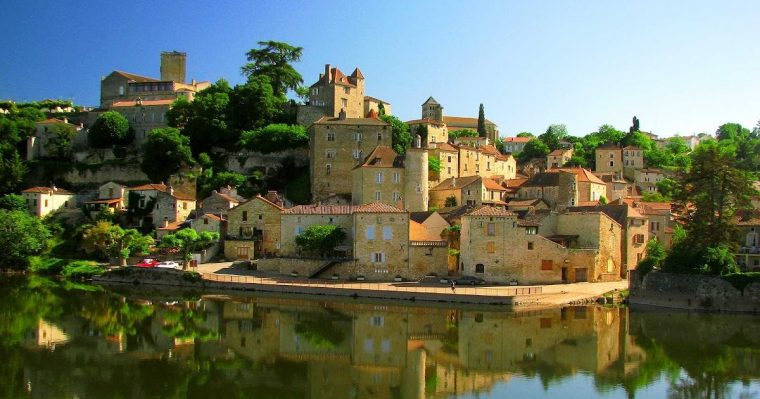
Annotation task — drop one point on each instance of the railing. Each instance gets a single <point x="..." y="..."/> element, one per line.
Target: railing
<point x="379" y="287"/>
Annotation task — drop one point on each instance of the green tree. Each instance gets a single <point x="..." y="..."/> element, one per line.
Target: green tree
<point x="110" y="129"/>
<point x="434" y="164"/>
<point x="482" y="121"/>
<point x="525" y="134"/>
<point x="535" y="148"/>
<point x="186" y="241"/>
<point x="13" y="202"/>
<point x="180" y="113"/>
<point x="553" y="135"/>
<point x="254" y="104"/>
<point x="450" y="201"/>
<point x="745" y="144"/>
<point x="462" y="133"/>
<point x="273" y="60"/>
<point x="274" y="138"/>
<point x="321" y="239"/>
<point x="12" y="171"/>
<point x="111" y="241"/>
<point x="206" y="122"/>
<point x="422" y="131"/>
<point x="21" y="236"/>
<point x="164" y="153"/>
<point x="401" y="139"/>
<point x="61" y="137"/>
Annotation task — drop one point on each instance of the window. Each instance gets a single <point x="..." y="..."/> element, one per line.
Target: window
<point x="347" y="90"/>
<point x="480" y="268"/>
<point x="184" y="205"/>
<point x="545" y="322"/>
<point x="377" y="321"/>
<point x="121" y="90"/>
<point x="379" y="177"/>
<point x="654" y="226"/>
<point x="547" y="264"/>
<point x="490" y="247"/>
<point x="396" y="177"/>
<point x="386" y="345"/>
<point x="612" y="163"/>
<point x="330" y="154"/>
<point x="387" y="233"/>
<point x="491" y="229"/>
<point x="369" y="345"/>
<point x="532" y="230"/>
<point x="449" y="158"/>
<point x="343" y="102"/>
<point x="396" y="196"/>
<point x="46" y="202"/>
<point x="245" y="216"/>
<point x="378" y="196"/>
<point x="530" y="246"/>
<point x="379" y="137"/>
<point x="419" y="188"/>
<point x="358" y="136"/>
<point x="205" y="220"/>
<point x="357" y="154"/>
<point x="432" y="139"/>
<point x="299" y="230"/>
<point x="378" y="257"/>
<point x="330" y="136"/>
<point x="328" y="169"/>
<point x="449" y="169"/>
<point x="370" y="232"/>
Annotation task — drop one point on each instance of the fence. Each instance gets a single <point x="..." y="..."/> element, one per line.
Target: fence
<point x="380" y="287"/>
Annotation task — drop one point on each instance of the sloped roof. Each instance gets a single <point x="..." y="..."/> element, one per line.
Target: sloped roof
<point x="462" y="121"/>
<point x="747" y="218"/>
<point x="492" y="185"/>
<point x="455" y="183"/>
<point x="212" y="216"/>
<point x="631" y="147"/>
<point x="429" y="121"/>
<point x="377" y="207"/>
<point x="47" y="190"/>
<point x="357" y="73"/>
<point x="382" y="157"/>
<point x="517" y="139"/>
<point x="375" y="99"/>
<point x="316" y="209"/>
<point x="164" y="189"/>
<point x="490" y="211"/>
<point x="584" y="175"/>
<point x="543" y="179"/>
<point x="431" y="100"/>
<point x="52" y="121"/>
<point x="349" y="121"/>
<point x="608" y="146"/>
<point x="446" y="147"/>
<point x="559" y="152"/>
<point x="420" y="217"/>
<point x="618" y="213"/>
<point x="135" y="77"/>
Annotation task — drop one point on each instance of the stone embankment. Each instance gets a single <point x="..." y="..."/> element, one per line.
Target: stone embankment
<point x="693" y="292"/>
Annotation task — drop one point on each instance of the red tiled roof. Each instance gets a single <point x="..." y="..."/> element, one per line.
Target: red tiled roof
<point x="429" y="121"/>
<point x="382" y="157"/>
<point x="52" y="121"/>
<point x="584" y="175"/>
<point x="47" y="190"/>
<point x="455" y="183"/>
<point x="446" y="147"/>
<point x="164" y="189"/>
<point x="490" y="211"/>
<point x="559" y="152"/>
<point x="462" y="122"/>
<point x="517" y="139"/>
<point x="357" y="73"/>
<point x="514" y="183"/>
<point x="319" y="210"/>
<point x="212" y="216"/>
<point x="492" y="185"/>
<point x="377" y="207"/>
<point x="105" y="201"/>
<point x="172" y="226"/>
<point x="258" y="196"/>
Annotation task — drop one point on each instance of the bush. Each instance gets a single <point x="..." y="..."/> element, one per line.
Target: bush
<point x="111" y="128"/>
<point x="45" y="265"/>
<point x="82" y="269"/>
<point x="274" y="138"/>
<point x="742" y="280"/>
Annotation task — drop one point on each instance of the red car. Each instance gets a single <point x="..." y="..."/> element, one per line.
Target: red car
<point x="147" y="263"/>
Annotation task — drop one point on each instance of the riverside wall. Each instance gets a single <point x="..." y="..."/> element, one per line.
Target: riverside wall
<point x="693" y="292"/>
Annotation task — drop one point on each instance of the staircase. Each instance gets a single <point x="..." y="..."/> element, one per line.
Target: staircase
<point x="323" y="269"/>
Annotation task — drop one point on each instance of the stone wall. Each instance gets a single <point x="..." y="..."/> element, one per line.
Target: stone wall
<point x="248" y="161"/>
<point x="106" y="173"/>
<point x="694" y="292"/>
<point x="303" y="266"/>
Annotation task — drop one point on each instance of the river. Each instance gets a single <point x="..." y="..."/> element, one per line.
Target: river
<point x="70" y="340"/>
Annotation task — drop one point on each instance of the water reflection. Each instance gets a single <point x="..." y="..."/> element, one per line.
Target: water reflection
<point x="82" y="341"/>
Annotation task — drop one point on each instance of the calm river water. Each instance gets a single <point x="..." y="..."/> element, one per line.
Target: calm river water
<point x="64" y="340"/>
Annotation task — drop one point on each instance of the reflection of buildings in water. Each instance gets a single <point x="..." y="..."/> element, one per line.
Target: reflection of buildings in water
<point x="47" y="335"/>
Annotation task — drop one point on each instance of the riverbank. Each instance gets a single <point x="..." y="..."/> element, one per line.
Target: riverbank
<point x="223" y="277"/>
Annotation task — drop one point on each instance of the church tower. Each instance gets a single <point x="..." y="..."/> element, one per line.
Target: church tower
<point x="432" y="109"/>
<point x="416" y="179"/>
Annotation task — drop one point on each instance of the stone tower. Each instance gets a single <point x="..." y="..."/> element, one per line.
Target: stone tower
<point x="416" y="182"/>
<point x="432" y="109"/>
<point x="173" y="66"/>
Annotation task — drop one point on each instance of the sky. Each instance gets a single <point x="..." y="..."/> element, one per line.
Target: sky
<point x="681" y="67"/>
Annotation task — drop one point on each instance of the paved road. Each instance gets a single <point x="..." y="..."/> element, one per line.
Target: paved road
<point x="554" y="294"/>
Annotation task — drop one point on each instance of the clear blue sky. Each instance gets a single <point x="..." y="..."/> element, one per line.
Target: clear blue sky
<point x="680" y="66"/>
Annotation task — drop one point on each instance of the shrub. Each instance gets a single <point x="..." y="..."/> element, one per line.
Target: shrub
<point x="741" y="280"/>
<point x="82" y="269"/>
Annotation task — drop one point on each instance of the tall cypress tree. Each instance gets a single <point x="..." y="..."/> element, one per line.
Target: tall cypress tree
<point x="481" y="122"/>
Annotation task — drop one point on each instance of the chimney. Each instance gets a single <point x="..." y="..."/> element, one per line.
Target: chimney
<point x="327" y="73"/>
<point x="166" y="222"/>
<point x="342" y="114"/>
<point x="171" y="190"/>
<point x="453" y="182"/>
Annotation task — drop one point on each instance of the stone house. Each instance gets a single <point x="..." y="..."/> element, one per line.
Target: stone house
<point x="221" y="201"/>
<point x="381" y="242"/>
<point x="564" y="187"/>
<point x="211" y="223"/>
<point x="336" y="146"/>
<point x="374" y="105"/>
<point x="514" y="145"/>
<point x="486" y="161"/>
<point x="635" y="234"/>
<point x="384" y="176"/>
<point x="436" y="131"/>
<point x="253" y="229"/>
<point x="471" y="190"/>
<point x="633" y="159"/>
<point x="496" y="246"/>
<point x="449" y="157"/>
<point x="160" y="205"/>
<point x="428" y="244"/>
<point x="297" y="219"/>
<point x="609" y="158"/>
<point x="748" y="224"/>
<point x="660" y="219"/>
<point x="646" y="179"/>
<point x="617" y="188"/>
<point x="112" y="195"/>
<point x="432" y="109"/>
<point x="558" y="158"/>
<point x="44" y="200"/>
<point x="516" y="205"/>
<point x="37" y="143"/>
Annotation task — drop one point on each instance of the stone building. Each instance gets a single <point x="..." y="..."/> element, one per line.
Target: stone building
<point x="621" y="161"/>
<point x="432" y="109"/>
<point x="387" y="177"/>
<point x="297" y="219"/>
<point x="160" y="205"/>
<point x="253" y="229"/>
<point x="211" y="223"/>
<point x="558" y="158"/>
<point x="564" y="187"/>
<point x="220" y="202"/>
<point x="748" y="224"/>
<point x="336" y="146"/>
<point x="485" y="161"/>
<point x="449" y="157"/>
<point x="573" y="247"/>
<point x="44" y="200"/>
<point x="646" y="179"/>
<point x="112" y="195"/>
<point x="470" y="190"/>
<point x="434" y="131"/>
<point x="37" y="145"/>
<point x="514" y="145"/>
<point x="381" y="245"/>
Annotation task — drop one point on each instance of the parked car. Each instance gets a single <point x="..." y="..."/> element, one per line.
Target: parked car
<point x="147" y="263"/>
<point x="470" y="280"/>
<point x="169" y="264"/>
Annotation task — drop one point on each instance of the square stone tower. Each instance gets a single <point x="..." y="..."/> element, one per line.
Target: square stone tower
<point x="173" y="66"/>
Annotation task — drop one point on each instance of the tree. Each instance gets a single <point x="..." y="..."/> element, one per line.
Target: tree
<point x="273" y="60"/>
<point x="400" y="136"/>
<point x="186" y="241"/>
<point x="422" y="131"/>
<point x="434" y="164"/>
<point x="112" y="241"/>
<point x="462" y="133"/>
<point x="21" y="236"/>
<point x="525" y="134"/>
<point x="450" y="201"/>
<point x="744" y="144"/>
<point x="13" y="202"/>
<point x="535" y="148"/>
<point x="206" y="122"/>
<point x="12" y="170"/>
<point x="274" y="138"/>
<point x="110" y="129"/>
<point x="482" y="122"/>
<point x="553" y="135"/>
<point x="164" y="153"/>
<point x="254" y="104"/>
<point x="180" y="113"/>
<point x="321" y="239"/>
<point x="61" y="136"/>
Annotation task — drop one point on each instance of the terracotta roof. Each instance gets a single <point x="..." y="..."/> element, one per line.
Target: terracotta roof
<point x="228" y="198"/>
<point x="47" y="190"/>
<point x="559" y="152"/>
<point x="357" y="73"/>
<point x="212" y="216"/>
<point x="134" y="77"/>
<point x="461" y="121"/>
<point x="143" y="103"/>
<point x="382" y="157"/>
<point x="349" y="121"/>
<point x="319" y="210"/>
<point x="375" y="99"/>
<point x="517" y="139"/>
<point x="429" y="121"/>
<point x="524" y="202"/>
<point x="584" y="175"/>
<point x="446" y="147"/>
<point x="455" y="183"/>
<point x="377" y="207"/>
<point x="543" y="179"/>
<point x="747" y="218"/>
<point x="514" y="183"/>
<point x="490" y="211"/>
<point x="164" y="189"/>
<point x="631" y="147"/>
<point x="492" y="185"/>
<point x="172" y="226"/>
<point x="266" y="201"/>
